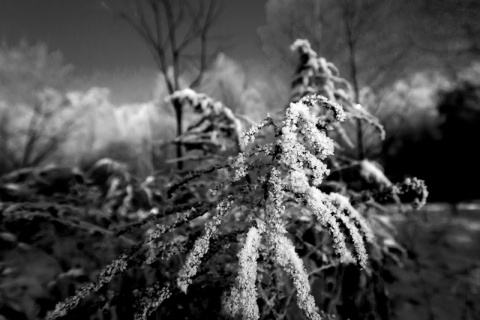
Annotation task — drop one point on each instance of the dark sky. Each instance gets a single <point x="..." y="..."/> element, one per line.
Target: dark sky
<point x="94" y="41"/>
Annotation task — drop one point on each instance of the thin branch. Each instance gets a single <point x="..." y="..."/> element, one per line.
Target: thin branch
<point x="140" y="25"/>
<point x="161" y="44"/>
<point x="54" y="141"/>
<point x="34" y="131"/>
<point x="173" y="40"/>
<point x="194" y="30"/>
<point x="212" y="15"/>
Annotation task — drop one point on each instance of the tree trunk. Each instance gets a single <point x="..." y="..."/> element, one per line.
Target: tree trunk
<point x="179" y="118"/>
<point x="356" y="88"/>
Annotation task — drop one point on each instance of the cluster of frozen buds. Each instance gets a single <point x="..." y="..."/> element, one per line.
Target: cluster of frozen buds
<point x="295" y="171"/>
<point x="412" y="190"/>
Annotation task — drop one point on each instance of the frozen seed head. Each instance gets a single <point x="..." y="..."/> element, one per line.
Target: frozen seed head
<point x="288" y="259"/>
<point x="200" y="248"/>
<point x="117" y="266"/>
<point x="239" y="163"/>
<point x="298" y="181"/>
<point x="322" y="207"/>
<point x="152" y="298"/>
<point x="243" y="296"/>
<point x="303" y="145"/>
<point x="248" y="136"/>
<point x="276" y="194"/>
<point x="319" y="100"/>
<point x="359" y="220"/>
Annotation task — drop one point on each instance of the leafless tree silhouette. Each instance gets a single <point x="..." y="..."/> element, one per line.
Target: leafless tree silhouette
<point x="177" y="33"/>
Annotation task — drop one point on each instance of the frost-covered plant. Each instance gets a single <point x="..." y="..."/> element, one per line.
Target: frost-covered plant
<point x="268" y="179"/>
<point x="218" y="127"/>
<point x="266" y="187"/>
<point x="362" y="181"/>
<point x="316" y="75"/>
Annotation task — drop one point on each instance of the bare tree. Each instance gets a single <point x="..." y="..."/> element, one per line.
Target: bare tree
<point x="176" y="33"/>
<point x="42" y="138"/>
<point x="44" y="126"/>
<point x="360" y="33"/>
<point x="35" y="119"/>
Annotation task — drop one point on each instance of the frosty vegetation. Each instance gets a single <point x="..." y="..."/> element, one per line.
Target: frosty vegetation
<point x="265" y="186"/>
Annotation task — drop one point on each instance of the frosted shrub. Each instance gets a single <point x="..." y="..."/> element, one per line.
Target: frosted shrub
<point x="217" y="128"/>
<point x="267" y="186"/>
<point x="268" y="179"/>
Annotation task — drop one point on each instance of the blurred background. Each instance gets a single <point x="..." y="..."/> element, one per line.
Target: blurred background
<point x="414" y="65"/>
<point x="85" y="80"/>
